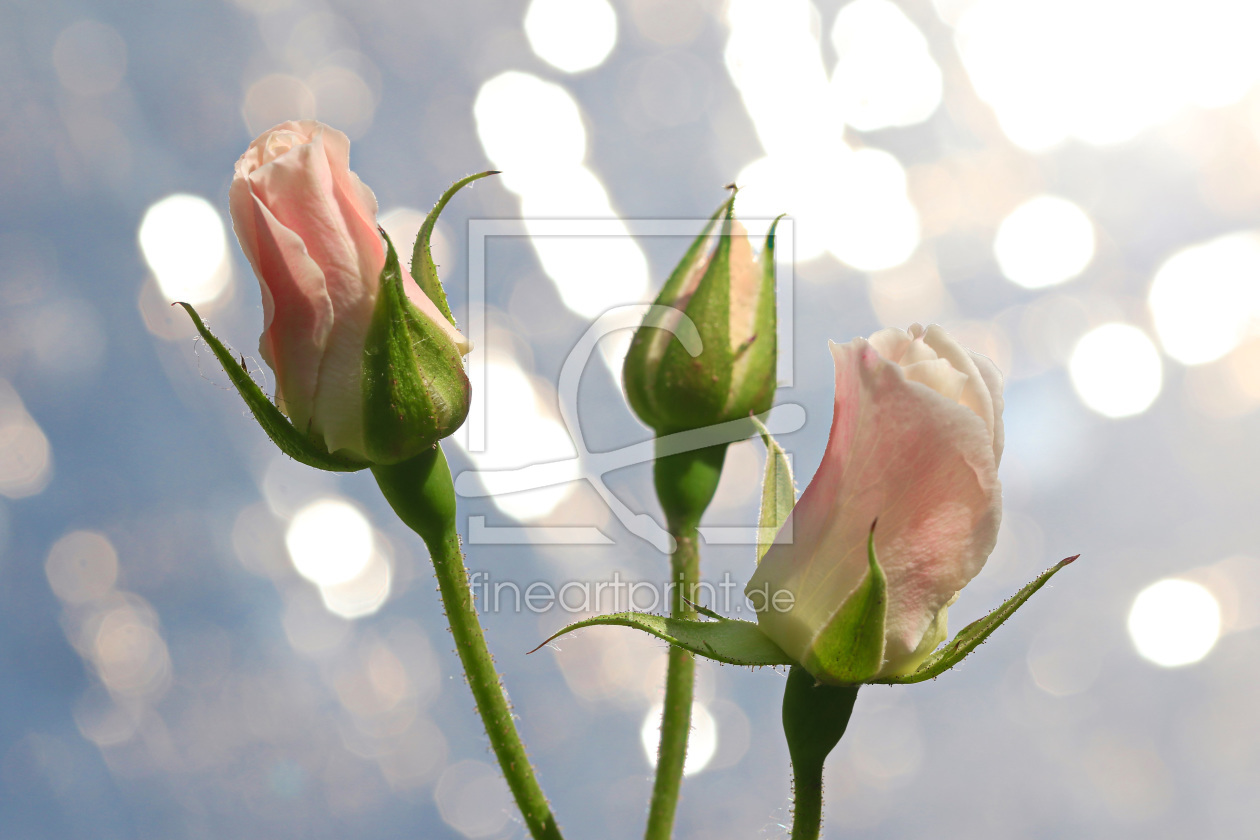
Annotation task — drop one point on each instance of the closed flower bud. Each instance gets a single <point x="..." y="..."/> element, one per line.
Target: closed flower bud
<point x="730" y="297"/>
<point x="367" y="366"/>
<point x="915" y="442"/>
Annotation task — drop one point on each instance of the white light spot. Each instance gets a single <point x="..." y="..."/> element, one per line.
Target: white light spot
<point x="518" y="434"/>
<point x="1174" y="622"/>
<point x="876" y="226"/>
<point x="851" y="203"/>
<point x="1044" y="241"/>
<point x="774" y="59"/>
<point x="184" y="242"/>
<point x="568" y="260"/>
<point x="528" y="127"/>
<point x="1205" y="299"/>
<point x="363" y="594"/>
<point x="884" y="75"/>
<point x="856" y="207"/>
<point x="330" y="542"/>
<point x="701" y="745"/>
<point x="571" y="35"/>
<point x="1104" y="70"/>
<point x="1116" y="370"/>
<point x="532" y="130"/>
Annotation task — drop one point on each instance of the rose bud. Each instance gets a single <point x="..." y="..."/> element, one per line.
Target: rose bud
<point x="729" y="295"/>
<point x="367" y="363"/>
<point x="915" y="441"/>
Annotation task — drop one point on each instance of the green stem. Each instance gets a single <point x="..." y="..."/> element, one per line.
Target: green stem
<point x="422" y="494"/>
<point x="815" y="717"/>
<point x="807" y="801"/>
<point x="685" y="484"/>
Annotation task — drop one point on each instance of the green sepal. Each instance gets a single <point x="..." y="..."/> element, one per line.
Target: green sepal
<point x="851" y="648"/>
<point x="726" y="640"/>
<point x="705" y="380"/>
<point x="643" y="358"/>
<point x="422" y="268"/>
<point x="278" y="427"/>
<point x="756" y="363"/>
<point x="971" y="636"/>
<point x="778" y="491"/>
<point x="415" y="391"/>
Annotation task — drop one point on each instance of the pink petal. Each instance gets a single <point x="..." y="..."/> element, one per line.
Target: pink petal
<point x="919" y="462"/>
<point x="421" y="301"/>
<point x="298" y="314"/>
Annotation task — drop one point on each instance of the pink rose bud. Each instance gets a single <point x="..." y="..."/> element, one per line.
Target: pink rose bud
<point x="330" y="334"/>
<point x="916" y="438"/>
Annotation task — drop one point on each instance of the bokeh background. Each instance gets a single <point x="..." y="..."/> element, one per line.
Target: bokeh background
<point x="202" y="639"/>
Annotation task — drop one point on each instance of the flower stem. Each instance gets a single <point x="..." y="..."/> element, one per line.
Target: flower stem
<point x="422" y="494"/>
<point x="815" y="717"/>
<point x="807" y="801"/>
<point x="685" y="484"/>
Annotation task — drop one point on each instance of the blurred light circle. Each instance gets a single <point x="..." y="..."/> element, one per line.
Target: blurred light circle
<point x="473" y="799"/>
<point x="1116" y="370"/>
<point x="330" y="542"/>
<point x="571" y="35"/>
<point x="1205" y="299"/>
<point x="700" y="746"/>
<point x="877" y="226"/>
<point x="184" y="242"/>
<point x="343" y="99"/>
<point x="528" y="126"/>
<point x="1102" y="70"/>
<point x="81" y="567"/>
<point x="90" y="58"/>
<point x="25" y="458"/>
<point x="275" y="98"/>
<point x="130" y="655"/>
<point x="1063" y="666"/>
<point x="576" y="193"/>
<point x="363" y="594"/>
<point x="1044" y="241"/>
<point x="1174" y="622"/>
<point x="853" y="205"/>
<point x="25" y="455"/>
<point x="885" y="76"/>
<point x="519" y="434"/>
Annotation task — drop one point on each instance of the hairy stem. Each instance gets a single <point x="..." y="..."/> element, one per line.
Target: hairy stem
<point x="815" y="717"/>
<point x="421" y="493"/>
<point x="685" y="484"/>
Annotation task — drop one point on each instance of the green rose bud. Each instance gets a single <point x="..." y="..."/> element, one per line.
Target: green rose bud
<point x="730" y="297"/>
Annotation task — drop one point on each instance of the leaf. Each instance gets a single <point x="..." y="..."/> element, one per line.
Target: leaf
<point x="727" y="640"/>
<point x="422" y="268"/>
<point x="282" y="432"/>
<point x="778" y="491"/>
<point x="971" y="636"/>
<point x="851" y="648"/>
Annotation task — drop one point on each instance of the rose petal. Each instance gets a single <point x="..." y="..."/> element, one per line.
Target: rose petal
<point x="919" y="462"/>
<point x="976" y="394"/>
